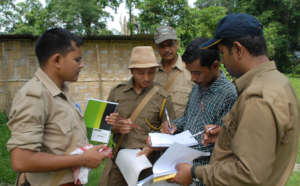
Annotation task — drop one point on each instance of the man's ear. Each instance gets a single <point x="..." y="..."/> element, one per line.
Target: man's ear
<point x="56" y="60"/>
<point x="216" y="65"/>
<point x="238" y="48"/>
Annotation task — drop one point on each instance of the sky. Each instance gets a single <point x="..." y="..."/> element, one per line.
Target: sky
<point x="121" y="12"/>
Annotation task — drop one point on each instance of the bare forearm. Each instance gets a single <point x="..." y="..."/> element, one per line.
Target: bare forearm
<point x="29" y="161"/>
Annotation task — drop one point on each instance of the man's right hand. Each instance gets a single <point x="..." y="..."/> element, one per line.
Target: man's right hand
<point x="210" y="136"/>
<point x="92" y="157"/>
<point x="119" y="124"/>
<point x="166" y="129"/>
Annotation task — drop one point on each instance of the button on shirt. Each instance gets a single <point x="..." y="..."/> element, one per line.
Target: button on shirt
<point x="181" y="86"/>
<point x="43" y="118"/>
<point x="207" y="106"/>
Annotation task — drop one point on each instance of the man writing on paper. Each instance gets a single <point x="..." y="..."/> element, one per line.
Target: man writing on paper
<point x="258" y="142"/>
<point x="172" y="74"/>
<point x="44" y="122"/>
<point x="139" y="90"/>
<point x="211" y="98"/>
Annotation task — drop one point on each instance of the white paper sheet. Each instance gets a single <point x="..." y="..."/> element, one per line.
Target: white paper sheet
<point x="166" y="140"/>
<point x="176" y="153"/>
<point x="130" y="165"/>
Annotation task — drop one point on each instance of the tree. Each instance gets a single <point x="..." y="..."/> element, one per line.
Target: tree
<point x="82" y="17"/>
<point x="159" y="12"/>
<point x="281" y="20"/>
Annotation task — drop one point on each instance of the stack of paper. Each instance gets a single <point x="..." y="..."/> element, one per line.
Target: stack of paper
<point x="164" y="168"/>
<point x="175" y="154"/>
<point x="165" y="140"/>
<point x="130" y="165"/>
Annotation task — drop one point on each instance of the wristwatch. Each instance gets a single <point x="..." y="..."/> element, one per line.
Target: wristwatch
<point x="194" y="177"/>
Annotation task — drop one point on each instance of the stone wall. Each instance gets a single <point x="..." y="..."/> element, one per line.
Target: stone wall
<point x="106" y="60"/>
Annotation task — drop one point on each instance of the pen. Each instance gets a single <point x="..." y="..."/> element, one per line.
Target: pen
<point x="202" y="131"/>
<point x="168" y="119"/>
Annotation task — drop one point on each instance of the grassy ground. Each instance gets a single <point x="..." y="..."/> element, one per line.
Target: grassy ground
<point x="7" y="176"/>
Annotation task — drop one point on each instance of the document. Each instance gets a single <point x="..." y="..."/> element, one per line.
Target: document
<point x="165" y="140"/>
<point x="94" y="118"/>
<point x="165" y="167"/>
<point x="176" y="153"/>
<point x="131" y="166"/>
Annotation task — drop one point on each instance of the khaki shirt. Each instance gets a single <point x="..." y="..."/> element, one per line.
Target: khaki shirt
<point x="180" y="88"/>
<point x="44" y="119"/>
<point x="259" y="138"/>
<point x="128" y="100"/>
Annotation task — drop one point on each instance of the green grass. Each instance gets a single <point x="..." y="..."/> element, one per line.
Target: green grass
<point x="8" y="176"/>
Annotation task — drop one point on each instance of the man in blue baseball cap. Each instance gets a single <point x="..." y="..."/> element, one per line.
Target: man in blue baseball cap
<point x="258" y="142"/>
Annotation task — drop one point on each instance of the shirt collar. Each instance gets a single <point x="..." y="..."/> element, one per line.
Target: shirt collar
<point x="179" y="64"/>
<point x="129" y="86"/>
<point x="49" y="84"/>
<point x="245" y="80"/>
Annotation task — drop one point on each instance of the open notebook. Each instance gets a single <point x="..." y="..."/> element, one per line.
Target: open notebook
<point x="165" y="140"/>
<point x="164" y="168"/>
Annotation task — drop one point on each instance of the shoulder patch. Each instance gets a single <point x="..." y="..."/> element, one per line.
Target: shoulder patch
<point x="33" y="88"/>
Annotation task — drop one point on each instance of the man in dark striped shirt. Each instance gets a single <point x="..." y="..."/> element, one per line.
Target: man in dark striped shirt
<point x="211" y="98"/>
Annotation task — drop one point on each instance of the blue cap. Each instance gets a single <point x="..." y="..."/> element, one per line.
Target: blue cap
<point x="235" y="26"/>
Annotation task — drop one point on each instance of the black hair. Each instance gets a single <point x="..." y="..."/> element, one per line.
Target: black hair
<point x="55" y="40"/>
<point x="193" y="52"/>
<point x="256" y="45"/>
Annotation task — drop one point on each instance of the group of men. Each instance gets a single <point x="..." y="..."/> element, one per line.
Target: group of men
<point x="256" y="119"/>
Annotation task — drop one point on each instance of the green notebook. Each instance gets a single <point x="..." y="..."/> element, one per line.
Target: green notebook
<point x="94" y="117"/>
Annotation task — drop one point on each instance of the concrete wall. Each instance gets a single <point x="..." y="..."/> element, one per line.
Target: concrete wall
<point x="106" y="61"/>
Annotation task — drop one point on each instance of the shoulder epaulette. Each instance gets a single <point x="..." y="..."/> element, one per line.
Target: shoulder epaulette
<point x="33" y="89"/>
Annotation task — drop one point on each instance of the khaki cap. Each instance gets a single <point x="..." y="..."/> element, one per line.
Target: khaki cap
<point x="164" y="33"/>
<point x="143" y="57"/>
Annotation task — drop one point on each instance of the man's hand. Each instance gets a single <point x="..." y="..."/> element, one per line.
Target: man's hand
<point x="183" y="176"/>
<point x="166" y="129"/>
<point x="210" y="136"/>
<point x="146" y="151"/>
<point x="92" y="157"/>
<point x="119" y="124"/>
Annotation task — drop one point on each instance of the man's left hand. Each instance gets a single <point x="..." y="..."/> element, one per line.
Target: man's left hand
<point x="183" y="176"/>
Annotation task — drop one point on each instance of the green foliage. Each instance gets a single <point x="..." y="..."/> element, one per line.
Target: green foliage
<point x="3" y="118"/>
<point x="159" y="12"/>
<point x="296" y="70"/>
<point x="79" y="16"/>
<point x="199" y="23"/>
<point x="7" y="175"/>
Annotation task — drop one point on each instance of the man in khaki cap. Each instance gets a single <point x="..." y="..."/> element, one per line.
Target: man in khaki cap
<point x="44" y="121"/>
<point x="132" y="131"/>
<point x="172" y="74"/>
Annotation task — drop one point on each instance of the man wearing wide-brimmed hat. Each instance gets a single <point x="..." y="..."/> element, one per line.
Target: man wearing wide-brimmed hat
<point x="140" y="111"/>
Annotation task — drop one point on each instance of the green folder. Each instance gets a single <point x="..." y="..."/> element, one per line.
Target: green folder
<point x="94" y="117"/>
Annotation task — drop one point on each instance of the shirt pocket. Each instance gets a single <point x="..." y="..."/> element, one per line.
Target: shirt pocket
<point x="58" y="135"/>
<point x="229" y="129"/>
<point x="180" y="97"/>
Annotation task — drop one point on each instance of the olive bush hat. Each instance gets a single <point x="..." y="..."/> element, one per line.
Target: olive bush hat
<point x="164" y="33"/>
<point x="143" y="57"/>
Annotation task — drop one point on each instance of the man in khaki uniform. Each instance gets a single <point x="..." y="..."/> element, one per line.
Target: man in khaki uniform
<point x="129" y="95"/>
<point x="44" y="121"/>
<point x="172" y="73"/>
<point x="259" y="140"/>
